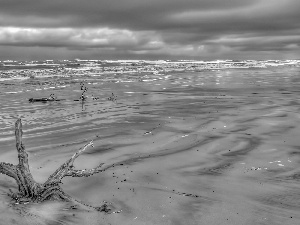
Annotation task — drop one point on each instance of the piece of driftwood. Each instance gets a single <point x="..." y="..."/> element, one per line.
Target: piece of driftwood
<point x="31" y="191"/>
<point x="50" y="99"/>
<point x="112" y="98"/>
<point x="42" y="100"/>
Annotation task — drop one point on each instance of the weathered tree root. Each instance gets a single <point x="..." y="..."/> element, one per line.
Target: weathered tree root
<point x="30" y="190"/>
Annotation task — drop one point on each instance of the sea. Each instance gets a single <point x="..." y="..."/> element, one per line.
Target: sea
<point x="217" y="146"/>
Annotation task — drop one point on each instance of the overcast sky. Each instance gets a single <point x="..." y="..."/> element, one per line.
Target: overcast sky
<point x="149" y="29"/>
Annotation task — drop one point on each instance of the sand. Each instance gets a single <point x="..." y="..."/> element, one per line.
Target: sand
<point x="214" y="147"/>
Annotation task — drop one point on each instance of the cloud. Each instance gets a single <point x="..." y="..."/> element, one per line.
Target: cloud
<point x="255" y="42"/>
<point x="74" y="37"/>
<point x="134" y="14"/>
<point x="142" y="28"/>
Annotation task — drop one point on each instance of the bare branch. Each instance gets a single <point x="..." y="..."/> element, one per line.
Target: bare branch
<point x="71" y="161"/>
<point x="8" y="169"/>
<point x="18" y="134"/>
<point x="22" y="154"/>
<point x="86" y="172"/>
<point x="66" y="169"/>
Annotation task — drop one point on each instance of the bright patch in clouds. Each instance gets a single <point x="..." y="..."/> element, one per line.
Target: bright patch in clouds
<point x="74" y="37"/>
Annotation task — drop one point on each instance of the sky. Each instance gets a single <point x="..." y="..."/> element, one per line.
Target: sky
<point x="149" y="29"/>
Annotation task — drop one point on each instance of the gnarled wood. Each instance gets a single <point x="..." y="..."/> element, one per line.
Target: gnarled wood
<point x="30" y="190"/>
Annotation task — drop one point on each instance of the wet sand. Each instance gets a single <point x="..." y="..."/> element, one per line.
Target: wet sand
<point x="215" y="147"/>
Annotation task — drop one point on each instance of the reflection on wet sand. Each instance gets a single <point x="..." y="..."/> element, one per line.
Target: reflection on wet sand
<point x="186" y="151"/>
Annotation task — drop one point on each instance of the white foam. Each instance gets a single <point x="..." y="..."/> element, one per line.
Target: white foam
<point x="11" y="92"/>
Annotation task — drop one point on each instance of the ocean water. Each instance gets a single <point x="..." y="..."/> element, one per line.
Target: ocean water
<point x="210" y="147"/>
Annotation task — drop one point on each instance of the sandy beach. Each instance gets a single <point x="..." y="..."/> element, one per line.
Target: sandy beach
<point x="211" y="147"/>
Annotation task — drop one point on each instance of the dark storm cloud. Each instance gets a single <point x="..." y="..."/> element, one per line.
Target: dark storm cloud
<point x="195" y="28"/>
<point x="133" y="14"/>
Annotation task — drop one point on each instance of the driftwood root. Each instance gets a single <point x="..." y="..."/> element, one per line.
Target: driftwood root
<point x="31" y="191"/>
